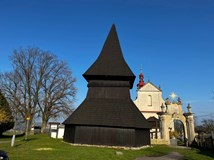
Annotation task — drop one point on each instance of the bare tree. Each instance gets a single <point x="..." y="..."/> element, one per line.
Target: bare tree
<point x="57" y="92"/>
<point x="207" y="126"/>
<point x="20" y="85"/>
<point x="39" y="83"/>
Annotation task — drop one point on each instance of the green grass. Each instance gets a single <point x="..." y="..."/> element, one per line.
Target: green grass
<point x="26" y="150"/>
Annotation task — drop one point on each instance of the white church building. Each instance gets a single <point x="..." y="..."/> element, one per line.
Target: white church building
<point x="161" y="113"/>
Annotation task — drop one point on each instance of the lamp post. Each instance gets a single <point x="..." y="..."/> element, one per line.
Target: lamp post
<point x="27" y="126"/>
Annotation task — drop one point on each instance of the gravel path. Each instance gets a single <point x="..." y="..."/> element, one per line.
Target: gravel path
<point x="171" y="156"/>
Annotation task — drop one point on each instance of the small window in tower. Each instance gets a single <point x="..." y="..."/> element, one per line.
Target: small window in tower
<point x="149" y="100"/>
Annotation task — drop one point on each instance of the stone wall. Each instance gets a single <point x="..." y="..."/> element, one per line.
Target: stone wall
<point x="159" y="141"/>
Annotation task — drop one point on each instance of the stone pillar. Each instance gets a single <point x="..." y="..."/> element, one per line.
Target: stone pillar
<point x="164" y="128"/>
<point x="190" y="125"/>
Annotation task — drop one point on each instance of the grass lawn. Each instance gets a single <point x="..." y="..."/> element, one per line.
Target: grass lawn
<point x="56" y="149"/>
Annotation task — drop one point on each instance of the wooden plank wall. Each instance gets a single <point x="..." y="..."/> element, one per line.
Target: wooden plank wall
<point x="97" y="135"/>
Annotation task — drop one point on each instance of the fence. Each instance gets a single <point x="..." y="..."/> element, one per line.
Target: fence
<point x="205" y="141"/>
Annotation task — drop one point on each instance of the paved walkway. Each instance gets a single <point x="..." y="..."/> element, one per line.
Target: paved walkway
<point x="171" y="156"/>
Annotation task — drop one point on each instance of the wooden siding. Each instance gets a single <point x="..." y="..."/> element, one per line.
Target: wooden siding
<point x="107" y="136"/>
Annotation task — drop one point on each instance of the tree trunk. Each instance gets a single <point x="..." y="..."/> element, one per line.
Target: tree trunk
<point x="44" y="125"/>
<point x="28" y="128"/>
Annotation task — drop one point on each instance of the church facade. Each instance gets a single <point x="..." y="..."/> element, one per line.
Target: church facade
<point x="149" y="99"/>
<point x="165" y="116"/>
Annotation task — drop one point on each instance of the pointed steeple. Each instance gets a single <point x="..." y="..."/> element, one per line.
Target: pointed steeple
<point x="110" y="65"/>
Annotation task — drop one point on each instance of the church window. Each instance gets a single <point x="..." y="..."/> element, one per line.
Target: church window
<point x="149" y="100"/>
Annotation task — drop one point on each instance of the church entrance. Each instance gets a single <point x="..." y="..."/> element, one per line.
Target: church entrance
<point x="177" y="133"/>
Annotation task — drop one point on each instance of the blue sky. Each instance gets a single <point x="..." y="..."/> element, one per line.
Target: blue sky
<point x="173" y="40"/>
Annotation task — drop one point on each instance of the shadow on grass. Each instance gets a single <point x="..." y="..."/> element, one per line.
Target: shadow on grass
<point x="10" y="136"/>
<point x="207" y="152"/>
<point x="24" y="141"/>
<point x="30" y="139"/>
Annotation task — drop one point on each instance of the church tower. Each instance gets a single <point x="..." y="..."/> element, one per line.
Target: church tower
<point x="149" y="98"/>
<point x="108" y="116"/>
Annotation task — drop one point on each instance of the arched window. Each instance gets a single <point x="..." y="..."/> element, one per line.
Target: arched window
<point x="149" y="100"/>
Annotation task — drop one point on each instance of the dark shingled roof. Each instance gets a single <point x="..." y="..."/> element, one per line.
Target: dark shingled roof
<point x="108" y="112"/>
<point x="110" y="64"/>
<point x="108" y="101"/>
